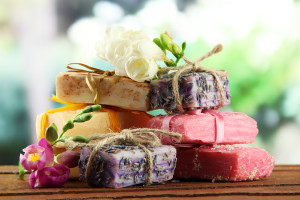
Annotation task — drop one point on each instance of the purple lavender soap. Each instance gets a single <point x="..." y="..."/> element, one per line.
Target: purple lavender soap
<point x="119" y="166"/>
<point x="196" y="90"/>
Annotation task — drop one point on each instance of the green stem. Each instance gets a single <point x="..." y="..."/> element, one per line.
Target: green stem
<point x="59" y="140"/>
<point x="61" y="135"/>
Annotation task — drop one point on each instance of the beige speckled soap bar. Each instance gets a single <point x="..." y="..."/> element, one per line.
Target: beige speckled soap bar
<point x="125" y="93"/>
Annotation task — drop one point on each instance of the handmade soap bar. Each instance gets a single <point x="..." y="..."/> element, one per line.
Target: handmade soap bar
<point x="100" y="122"/>
<point x="196" y="90"/>
<point x="120" y="166"/>
<point x="201" y="128"/>
<point x="223" y="163"/>
<point x="124" y="93"/>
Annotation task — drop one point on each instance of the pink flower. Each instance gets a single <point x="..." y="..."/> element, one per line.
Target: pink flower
<point x="38" y="156"/>
<point x="54" y="176"/>
<point x="68" y="158"/>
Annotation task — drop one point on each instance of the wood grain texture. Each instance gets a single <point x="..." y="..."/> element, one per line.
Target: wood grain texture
<point x="284" y="183"/>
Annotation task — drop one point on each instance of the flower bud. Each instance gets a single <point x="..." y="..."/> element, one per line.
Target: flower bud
<point x="51" y="133"/>
<point x="92" y="108"/>
<point x="83" y="117"/>
<point x="158" y="43"/>
<point x="166" y="41"/>
<point x="79" y="138"/>
<point x="176" y="50"/>
<point x="183" y="46"/>
<point x="54" y="176"/>
<point x="68" y="158"/>
<point x="68" y="125"/>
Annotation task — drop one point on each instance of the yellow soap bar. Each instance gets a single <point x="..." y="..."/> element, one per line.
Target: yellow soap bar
<point x="125" y="93"/>
<point x="103" y="121"/>
<point x="99" y="123"/>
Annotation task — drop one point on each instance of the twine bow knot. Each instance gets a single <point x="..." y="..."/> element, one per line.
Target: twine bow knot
<point x="90" y="81"/>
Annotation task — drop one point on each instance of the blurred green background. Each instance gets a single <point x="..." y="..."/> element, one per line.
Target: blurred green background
<point x="261" y="40"/>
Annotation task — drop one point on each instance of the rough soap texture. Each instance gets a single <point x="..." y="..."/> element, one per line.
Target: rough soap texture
<point x="223" y="163"/>
<point x="197" y="90"/>
<point x="201" y="128"/>
<point x="124" y="93"/>
<point x="121" y="166"/>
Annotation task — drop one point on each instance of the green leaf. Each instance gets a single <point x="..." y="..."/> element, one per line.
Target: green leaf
<point x="21" y="171"/>
<point x="51" y="134"/>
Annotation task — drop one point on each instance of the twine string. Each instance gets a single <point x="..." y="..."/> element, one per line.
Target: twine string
<point x="141" y="137"/>
<point x="193" y="66"/>
<point x="190" y="66"/>
<point x="90" y="80"/>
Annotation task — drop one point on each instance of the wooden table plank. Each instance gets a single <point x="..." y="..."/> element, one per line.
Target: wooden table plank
<point x="284" y="183"/>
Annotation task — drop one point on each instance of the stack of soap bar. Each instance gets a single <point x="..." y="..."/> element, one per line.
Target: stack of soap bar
<point x="196" y="90"/>
<point x="124" y="92"/>
<point x="101" y="123"/>
<point x="201" y="128"/>
<point x="119" y="166"/>
<point x="223" y="163"/>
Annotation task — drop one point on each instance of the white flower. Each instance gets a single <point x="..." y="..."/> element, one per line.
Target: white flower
<point x="106" y="45"/>
<point x="134" y="35"/>
<point x="120" y="66"/>
<point x="140" y="69"/>
<point x="132" y="53"/>
<point x="148" y="49"/>
<point x="116" y="49"/>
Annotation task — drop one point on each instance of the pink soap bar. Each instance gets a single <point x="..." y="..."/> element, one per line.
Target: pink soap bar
<point x="223" y="163"/>
<point x="201" y="128"/>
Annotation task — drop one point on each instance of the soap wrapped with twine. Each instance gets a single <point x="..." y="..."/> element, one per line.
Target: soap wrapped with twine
<point x="141" y="137"/>
<point x="193" y="66"/>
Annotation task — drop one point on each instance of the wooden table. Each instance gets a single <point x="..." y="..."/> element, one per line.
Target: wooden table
<point x="284" y="183"/>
